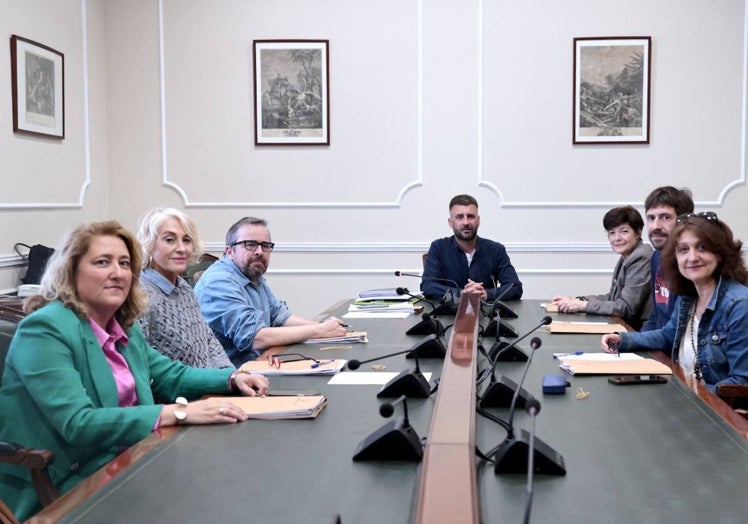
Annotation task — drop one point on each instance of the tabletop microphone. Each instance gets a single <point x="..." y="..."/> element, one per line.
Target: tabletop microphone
<point x="511" y="456"/>
<point x="532" y="408"/>
<point x="396" y="440"/>
<point x="406" y="291"/>
<point x="449" y="304"/>
<point x="409" y="382"/>
<point x="500" y="393"/>
<point x="429" y="325"/>
<point x="500" y="308"/>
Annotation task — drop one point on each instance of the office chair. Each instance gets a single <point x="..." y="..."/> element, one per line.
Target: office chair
<point x="195" y="271"/>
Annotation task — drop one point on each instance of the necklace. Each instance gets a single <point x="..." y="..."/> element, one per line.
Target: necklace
<point x="696" y="366"/>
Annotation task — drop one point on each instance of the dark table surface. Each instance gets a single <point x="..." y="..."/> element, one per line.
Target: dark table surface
<point x="652" y="453"/>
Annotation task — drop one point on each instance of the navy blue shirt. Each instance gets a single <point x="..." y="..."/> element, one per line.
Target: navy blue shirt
<point x="490" y="266"/>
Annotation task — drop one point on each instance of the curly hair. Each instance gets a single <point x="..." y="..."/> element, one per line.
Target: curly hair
<point x="58" y="282"/>
<point x="717" y="238"/>
<point x="152" y="220"/>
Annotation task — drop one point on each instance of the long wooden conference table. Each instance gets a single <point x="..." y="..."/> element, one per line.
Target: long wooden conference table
<point x="647" y="453"/>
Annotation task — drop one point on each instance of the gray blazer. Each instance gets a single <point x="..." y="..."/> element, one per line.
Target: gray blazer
<point x="628" y="297"/>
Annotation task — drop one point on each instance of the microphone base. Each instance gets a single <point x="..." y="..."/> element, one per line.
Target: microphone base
<point x="429" y="347"/>
<point x="393" y="441"/>
<point x="499" y="394"/>
<point x="513" y="354"/>
<point x="409" y="382"/>
<point x="504" y="330"/>
<point x="504" y="310"/>
<point x="512" y="457"/>
<point x="426" y="327"/>
<point x="445" y="308"/>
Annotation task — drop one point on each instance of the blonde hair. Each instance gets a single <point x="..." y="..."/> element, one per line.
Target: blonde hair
<point x="58" y="282"/>
<point x="153" y="219"/>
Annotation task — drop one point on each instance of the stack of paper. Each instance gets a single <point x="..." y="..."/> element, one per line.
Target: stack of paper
<point x="381" y="294"/>
<point x="560" y="326"/>
<point x="281" y="407"/>
<point x="610" y="364"/>
<point x="296" y="367"/>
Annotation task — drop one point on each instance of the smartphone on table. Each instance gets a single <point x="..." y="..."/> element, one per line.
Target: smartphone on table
<point x="625" y="380"/>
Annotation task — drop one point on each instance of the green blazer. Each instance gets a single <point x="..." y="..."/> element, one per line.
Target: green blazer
<point x="58" y="393"/>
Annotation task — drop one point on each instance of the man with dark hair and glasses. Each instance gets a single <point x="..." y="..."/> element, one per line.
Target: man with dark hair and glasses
<point x="662" y="207"/>
<point x="240" y="307"/>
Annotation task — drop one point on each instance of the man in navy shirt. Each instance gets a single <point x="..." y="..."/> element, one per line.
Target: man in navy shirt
<point x="662" y="207"/>
<point x="467" y="262"/>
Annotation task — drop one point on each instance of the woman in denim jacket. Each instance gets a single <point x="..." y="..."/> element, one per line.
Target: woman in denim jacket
<point x="708" y="333"/>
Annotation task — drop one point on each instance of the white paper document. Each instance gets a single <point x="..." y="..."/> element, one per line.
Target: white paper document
<point x="378" y="378"/>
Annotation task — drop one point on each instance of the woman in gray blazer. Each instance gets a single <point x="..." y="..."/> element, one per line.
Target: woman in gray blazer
<point x="628" y="297"/>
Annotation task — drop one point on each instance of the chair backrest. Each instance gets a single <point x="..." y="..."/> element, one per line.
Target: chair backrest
<point x="195" y="271"/>
<point x="424" y="257"/>
<point x="7" y="328"/>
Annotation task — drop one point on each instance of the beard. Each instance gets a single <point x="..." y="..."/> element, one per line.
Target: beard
<point x="255" y="269"/>
<point x="466" y="234"/>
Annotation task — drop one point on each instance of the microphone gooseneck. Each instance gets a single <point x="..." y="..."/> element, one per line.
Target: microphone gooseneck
<point x="354" y="364"/>
<point x="388" y="408"/>
<point x="544" y="322"/>
<point x="535" y="343"/>
<point x="406" y="291"/>
<point x="533" y="408"/>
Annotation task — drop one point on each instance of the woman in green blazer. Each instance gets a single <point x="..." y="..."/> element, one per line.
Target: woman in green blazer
<point x="80" y="379"/>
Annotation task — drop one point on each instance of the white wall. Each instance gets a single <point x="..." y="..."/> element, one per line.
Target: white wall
<point x="428" y="99"/>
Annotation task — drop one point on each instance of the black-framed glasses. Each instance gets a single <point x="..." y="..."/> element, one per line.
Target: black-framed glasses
<point x="706" y="215"/>
<point x="251" y="245"/>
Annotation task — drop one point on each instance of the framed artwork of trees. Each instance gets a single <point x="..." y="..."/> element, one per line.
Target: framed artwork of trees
<point x="292" y="92"/>
<point x="611" y="90"/>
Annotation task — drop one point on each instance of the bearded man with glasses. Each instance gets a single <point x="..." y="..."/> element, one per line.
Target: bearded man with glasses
<point x="239" y="305"/>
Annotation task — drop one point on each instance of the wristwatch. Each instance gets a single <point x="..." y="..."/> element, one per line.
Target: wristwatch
<point x="181" y="415"/>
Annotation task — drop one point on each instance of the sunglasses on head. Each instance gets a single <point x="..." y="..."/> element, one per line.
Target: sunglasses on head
<point x="706" y="215"/>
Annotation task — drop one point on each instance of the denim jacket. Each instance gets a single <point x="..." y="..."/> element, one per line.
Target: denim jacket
<point x="723" y="335"/>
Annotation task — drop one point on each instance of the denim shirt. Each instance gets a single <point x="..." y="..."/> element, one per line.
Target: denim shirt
<point x="722" y="337"/>
<point x="236" y="308"/>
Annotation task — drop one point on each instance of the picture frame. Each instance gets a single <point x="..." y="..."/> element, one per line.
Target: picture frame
<point x="38" y="88"/>
<point x="611" y="90"/>
<point x="292" y="92"/>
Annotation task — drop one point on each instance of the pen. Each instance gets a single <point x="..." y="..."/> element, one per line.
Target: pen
<point x="321" y="362"/>
<point x="343" y="325"/>
<point x="556" y="355"/>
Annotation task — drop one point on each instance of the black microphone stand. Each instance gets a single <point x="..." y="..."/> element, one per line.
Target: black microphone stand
<point x="511" y="456"/>
<point x="500" y="393"/>
<point x="396" y="440"/>
<point x="409" y="382"/>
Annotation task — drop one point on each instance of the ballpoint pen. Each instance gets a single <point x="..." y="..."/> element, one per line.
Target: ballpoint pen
<point x="321" y="362"/>
<point x="556" y="355"/>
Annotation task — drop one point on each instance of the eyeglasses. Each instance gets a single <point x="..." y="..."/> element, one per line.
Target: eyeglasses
<point x="251" y="245"/>
<point x="706" y="215"/>
<point x="276" y="362"/>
